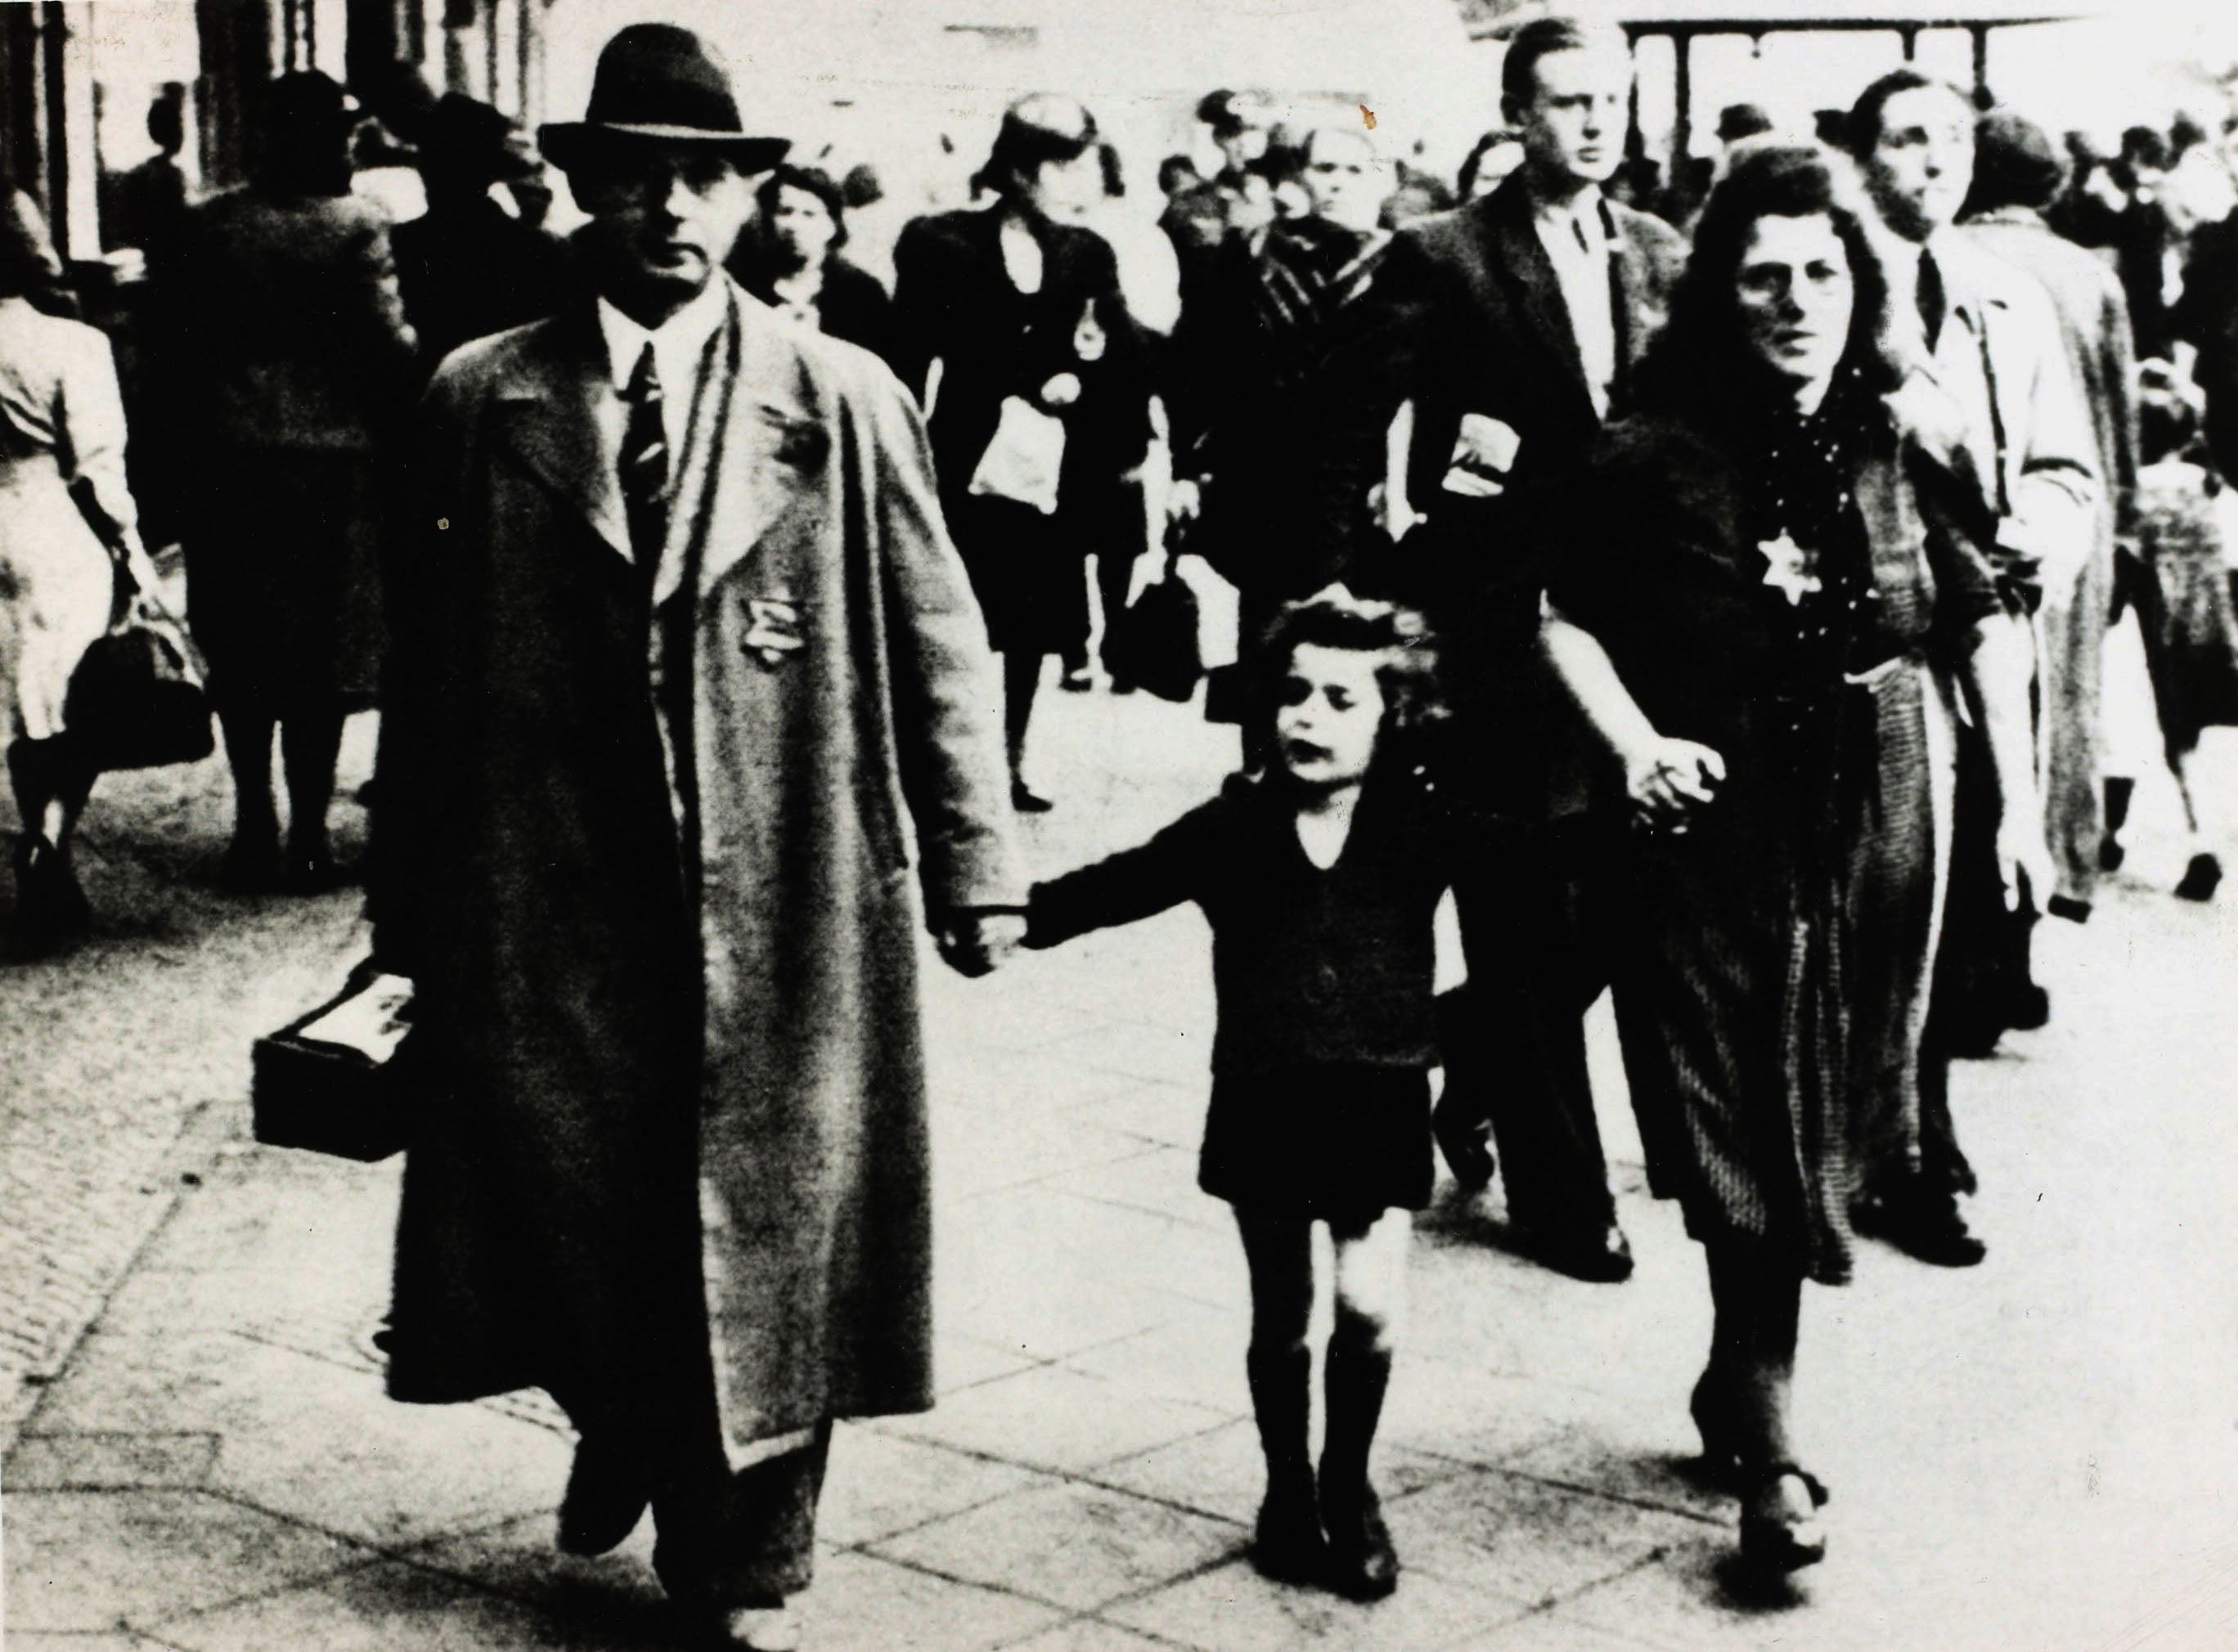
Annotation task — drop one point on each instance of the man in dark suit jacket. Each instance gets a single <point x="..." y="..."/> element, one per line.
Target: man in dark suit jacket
<point x="1536" y="304"/>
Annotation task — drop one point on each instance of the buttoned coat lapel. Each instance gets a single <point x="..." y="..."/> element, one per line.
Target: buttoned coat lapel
<point x="768" y="457"/>
<point x="559" y="416"/>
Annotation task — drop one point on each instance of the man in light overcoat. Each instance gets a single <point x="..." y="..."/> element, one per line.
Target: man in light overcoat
<point x="688" y="655"/>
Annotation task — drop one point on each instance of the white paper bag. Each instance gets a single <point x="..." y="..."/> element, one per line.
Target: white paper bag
<point x="1022" y="462"/>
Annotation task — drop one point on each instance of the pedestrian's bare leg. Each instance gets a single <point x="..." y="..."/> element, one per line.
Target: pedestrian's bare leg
<point x="51" y="782"/>
<point x="310" y="744"/>
<point x="1022" y="682"/>
<point x="1371" y="1285"/>
<point x="254" y="856"/>
<point x="1278" y="1250"/>
<point x="1742" y="1401"/>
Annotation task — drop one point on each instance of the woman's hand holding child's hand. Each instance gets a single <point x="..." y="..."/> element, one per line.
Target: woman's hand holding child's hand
<point x="1668" y="779"/>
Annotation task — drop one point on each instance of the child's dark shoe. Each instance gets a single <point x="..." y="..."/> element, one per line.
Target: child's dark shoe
<point x="1363" y="1564"/>
<point x="1287" y="1545"/>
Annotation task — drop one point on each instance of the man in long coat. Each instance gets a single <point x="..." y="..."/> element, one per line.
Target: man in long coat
<point x="689" y="651"/>
<point x="2017" y="174"/>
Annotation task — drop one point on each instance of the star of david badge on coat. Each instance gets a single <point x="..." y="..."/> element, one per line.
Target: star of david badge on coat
<point x="1791" y="571"/>
<point x="773" y="629"/>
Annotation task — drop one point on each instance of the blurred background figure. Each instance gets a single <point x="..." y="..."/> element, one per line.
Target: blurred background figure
<point x="467" y="267"/>
<point x="1738" y="122"/>
<point x="295" y="357"/>
<point x="789" y="258"/>
<point x="1237" y="199"/>
<point x="1149" y="269"/>
<point x="1286" y="379"/>
<point x="68" y="540"/>
<point x="1416" y="193"/>
<point x="1638" y="183"/>
<point x="1493" y="157"/>
<point x="2018" y="175"/>
<point x="2205" y="318"/>
<point x="1012" y="327"/>
<point x="2172" y="660"/>
<point x="147" y="206"/>
<point x="2145" y="240"/>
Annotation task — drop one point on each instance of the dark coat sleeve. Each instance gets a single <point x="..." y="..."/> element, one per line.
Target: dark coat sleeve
<point x="921" y="306"/>
<point x="1136" y="883"/>
<point x="952" y="772"/>
<point x="854" y="307"/>
<point x="420" y="679"/>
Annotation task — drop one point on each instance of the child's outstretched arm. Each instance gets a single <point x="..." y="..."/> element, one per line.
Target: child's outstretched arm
<point x="1134" y="883"/>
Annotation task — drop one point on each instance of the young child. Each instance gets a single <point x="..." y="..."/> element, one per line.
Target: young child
<point x="1320" y="880"/>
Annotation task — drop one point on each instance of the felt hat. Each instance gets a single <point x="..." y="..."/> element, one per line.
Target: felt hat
<point x="465" y="137"/>
<point x="657" y="81"/>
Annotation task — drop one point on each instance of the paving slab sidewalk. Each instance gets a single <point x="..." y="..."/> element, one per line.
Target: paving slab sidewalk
<point x="2040" y="1453"/>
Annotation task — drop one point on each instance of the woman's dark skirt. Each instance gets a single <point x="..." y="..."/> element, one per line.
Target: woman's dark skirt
<point x="1026" y="571"/>
<point x="283" y="580"/>
<point x="1769" y="981"/>
<point x="1336" y="1144"/>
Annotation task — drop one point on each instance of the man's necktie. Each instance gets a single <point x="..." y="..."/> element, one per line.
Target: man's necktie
<point x="1933" y="302"/>
<point x="645" y="467"/>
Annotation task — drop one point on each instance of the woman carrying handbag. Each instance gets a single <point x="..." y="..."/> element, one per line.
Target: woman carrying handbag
<point x="63" y="506"/>
<point x="1012" y="330"/>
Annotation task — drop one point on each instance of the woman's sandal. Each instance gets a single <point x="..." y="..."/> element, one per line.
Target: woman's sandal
<point x="1793" y="1537"/>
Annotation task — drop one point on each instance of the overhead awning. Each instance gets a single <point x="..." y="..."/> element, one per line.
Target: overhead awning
<point x="1498" y="17"/>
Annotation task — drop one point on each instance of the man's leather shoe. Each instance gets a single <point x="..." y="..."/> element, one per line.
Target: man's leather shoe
<point x="605" y="1500"/>
<point x="1598" y="1257"/>
<point x="1467" y="1152"/>
<point x="1925" y="1225"/>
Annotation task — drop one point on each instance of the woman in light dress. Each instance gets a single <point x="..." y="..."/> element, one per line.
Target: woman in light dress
<point x="66" y="521"/>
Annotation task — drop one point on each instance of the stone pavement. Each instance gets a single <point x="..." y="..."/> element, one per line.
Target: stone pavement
<point x="2039" y="1454"/>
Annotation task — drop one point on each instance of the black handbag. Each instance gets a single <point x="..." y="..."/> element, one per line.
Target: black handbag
<point x="135" y="701"/>
<point x="1152" y="644"/>
<point x="337" y="1080"/>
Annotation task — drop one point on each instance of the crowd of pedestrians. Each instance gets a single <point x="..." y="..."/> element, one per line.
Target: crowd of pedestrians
<point x="1742" y="594"/>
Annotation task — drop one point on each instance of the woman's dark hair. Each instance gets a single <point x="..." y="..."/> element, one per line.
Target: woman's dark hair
<point x="1406" y="670"/>
<point x="304" y="120"/>
<point x="2146" y="146"/>
<point x="809" y="181"/>
<point x="1692" y="364"/>
<point x="1035" y="131"/>
<point x="1173" y="170"/>
<point x="1466" y="182"/>
<point x="2015" y="164"/>
<point x="1115" y="171"/>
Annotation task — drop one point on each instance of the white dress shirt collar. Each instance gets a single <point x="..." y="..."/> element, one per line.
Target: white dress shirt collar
<point x="678" y="344"/>
<point x="1576" y="234"/>
<point x="1582" y="218"/>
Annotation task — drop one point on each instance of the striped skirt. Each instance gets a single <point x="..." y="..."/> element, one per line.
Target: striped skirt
<point x="1770" y="982"/>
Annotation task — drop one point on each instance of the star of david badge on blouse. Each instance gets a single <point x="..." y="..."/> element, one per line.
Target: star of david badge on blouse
<point x="1791" y="570"/>
<point x="774" y="629"/>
